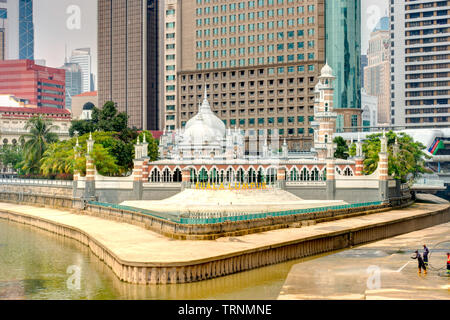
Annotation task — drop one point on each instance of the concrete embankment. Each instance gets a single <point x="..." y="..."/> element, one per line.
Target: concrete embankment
<point x="137" y="255"/>
<point x="195" y="231"/>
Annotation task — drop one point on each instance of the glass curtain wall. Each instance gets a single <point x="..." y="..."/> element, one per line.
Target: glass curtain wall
<point x="343" y="50"/>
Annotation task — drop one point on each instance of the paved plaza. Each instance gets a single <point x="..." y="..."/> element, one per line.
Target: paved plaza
<point x="231" y="201"/>
<point x="137" y="245"/>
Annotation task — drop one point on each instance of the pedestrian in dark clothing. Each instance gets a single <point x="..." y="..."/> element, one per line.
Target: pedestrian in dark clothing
<point x="421" y="263"/>
<point x="425" y="255"/>
<point x="448" y="263"/>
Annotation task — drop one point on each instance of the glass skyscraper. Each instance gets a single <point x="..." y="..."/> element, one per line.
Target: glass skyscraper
<point x="26" y="30"/>
<point x="343" y="51"/>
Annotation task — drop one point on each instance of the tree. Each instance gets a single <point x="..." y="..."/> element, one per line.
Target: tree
<point x="111" y="155"/>
<point x="406" y="157"/>
<point x="39" y="136"/>
<point x="341" y="149"/>
<point x="59" y="158"/>
<point x="81" y="127"/>
<point x="11" y="155"/>
<point x="107" y="119"/>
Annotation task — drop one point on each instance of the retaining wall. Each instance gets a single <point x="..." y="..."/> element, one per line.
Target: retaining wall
<point x="183" y="272"/>
<point x="176" y="230"/>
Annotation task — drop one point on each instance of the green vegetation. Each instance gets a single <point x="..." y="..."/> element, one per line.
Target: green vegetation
<point x="36" y="140"/>
<point x="42" y="155"/>
<point x="11" y="155"/>
<point x="406" y="157"/>
<point x="341" y="149"/>
<point x="107" y="119"/>
<point x="111" y="155"/>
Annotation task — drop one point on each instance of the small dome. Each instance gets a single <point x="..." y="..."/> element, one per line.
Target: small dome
<point x="205" y="126"/>
<point x="88" y="106"/>
<point x="326" y="71"/>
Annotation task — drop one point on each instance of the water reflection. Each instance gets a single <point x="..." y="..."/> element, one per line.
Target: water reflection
<point x="34" y="265"/>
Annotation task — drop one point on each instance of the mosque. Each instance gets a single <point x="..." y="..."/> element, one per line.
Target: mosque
<point x="208" y="152"/>
<point x="208" y="156"/>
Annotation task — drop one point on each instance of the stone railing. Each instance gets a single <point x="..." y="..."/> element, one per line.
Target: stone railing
<point x="306" y="183"/>
<point x="37" y="182"/>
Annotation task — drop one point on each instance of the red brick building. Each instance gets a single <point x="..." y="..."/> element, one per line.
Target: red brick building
<point x="41" y="86"/>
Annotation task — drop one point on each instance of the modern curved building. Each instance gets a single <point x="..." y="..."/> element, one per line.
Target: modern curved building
<point x="343" y="53"/>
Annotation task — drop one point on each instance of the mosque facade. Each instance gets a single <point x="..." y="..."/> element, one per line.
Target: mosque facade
<point x="207" y="155"/>
<point x="205" y="151"/>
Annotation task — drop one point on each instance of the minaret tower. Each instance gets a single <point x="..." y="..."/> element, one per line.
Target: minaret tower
<point x="324" y="115"/>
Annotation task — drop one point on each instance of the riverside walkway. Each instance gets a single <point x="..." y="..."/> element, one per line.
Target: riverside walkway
<point x="138" y="255"/>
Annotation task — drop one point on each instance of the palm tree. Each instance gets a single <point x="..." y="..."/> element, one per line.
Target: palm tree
<point x="37" y="139"/>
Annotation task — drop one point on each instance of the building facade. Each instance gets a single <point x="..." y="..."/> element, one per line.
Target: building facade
<point x="3" y="29"/>
<point x="343" y="53"/>
<point x="369" y="110"/>
<point x="377" y="74"/>
<point x="364" y="63"/>
<point x="211" y="153"/>
<point x="80" y="100"/>
<point x="420" y="50"/>
<point x="73" y="82"/>
<point x="83" y="58"/>
<point x="26" y="30"/>
<point x="41" y="86"/>
<point x="259" y="60"/>
<point x="128" y="59"/>
<point x="14" y="114"/>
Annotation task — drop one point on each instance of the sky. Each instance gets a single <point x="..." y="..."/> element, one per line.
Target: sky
<point x="371" y="12"/>
<point x="73" y="23"/>
<point x="61" y="23"/>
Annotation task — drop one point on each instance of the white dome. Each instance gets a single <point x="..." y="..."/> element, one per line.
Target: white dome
<point x="326" y="71"/>
<point x="205" y="126"/>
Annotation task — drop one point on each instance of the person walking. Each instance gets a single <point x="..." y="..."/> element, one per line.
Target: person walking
<point x="425" y="255"/>
<point x="421" y="263"/>
<point x="448" y="263"/>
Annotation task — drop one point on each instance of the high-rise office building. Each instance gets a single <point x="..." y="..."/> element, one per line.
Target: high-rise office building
<point x="41" y="86"/>
<point x="26" y="30"/>
<point x="83" y="58"/>
<point x="364" y="63"/>
<point x="128" y="59"/>
<point x="74" y="81"/>
<point x="3" y="29"/>
<point x="343" y="53"/>
<point x="420" y="50"/>
<point x="377" y="74"/>
<point x="259" y="61"/>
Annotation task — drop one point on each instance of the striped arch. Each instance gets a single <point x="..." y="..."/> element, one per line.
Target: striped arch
<point x="305" y="173"/>
<point x="315" y="173"/>
<point x="348" y="172"/>
<point x="294" y="174"/>
<point x="154" y="175"/>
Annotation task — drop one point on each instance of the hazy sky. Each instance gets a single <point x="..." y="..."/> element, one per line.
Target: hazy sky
<point x="371" y="12"/>
<point x="55" y="28"/>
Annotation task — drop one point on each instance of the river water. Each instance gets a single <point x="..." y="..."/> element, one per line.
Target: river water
<point x="36" y="264"/>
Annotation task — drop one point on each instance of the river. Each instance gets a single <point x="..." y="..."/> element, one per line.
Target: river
<point x="36" y="264"/>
